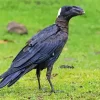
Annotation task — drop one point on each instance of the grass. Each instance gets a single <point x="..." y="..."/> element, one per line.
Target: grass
<point x="81" y="51"/>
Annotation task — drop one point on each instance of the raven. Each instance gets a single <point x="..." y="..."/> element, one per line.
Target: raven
<point x="42" y="50"/>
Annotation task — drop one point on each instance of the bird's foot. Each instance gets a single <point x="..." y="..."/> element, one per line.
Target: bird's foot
<point x="44" y="90"/>
<point x="53" y="91"/>
<point x="40" y="88"/>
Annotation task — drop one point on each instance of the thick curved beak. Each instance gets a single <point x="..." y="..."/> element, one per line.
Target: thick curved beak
<point x="82" y="12"/>
<point x="78" y="10"/>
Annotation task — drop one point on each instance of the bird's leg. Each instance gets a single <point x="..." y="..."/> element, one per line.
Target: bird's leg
<point x="38" y="77"/>
<point x="48" y="74"/>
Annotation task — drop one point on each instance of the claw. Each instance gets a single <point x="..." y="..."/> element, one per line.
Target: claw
<point x="53" y="91"/>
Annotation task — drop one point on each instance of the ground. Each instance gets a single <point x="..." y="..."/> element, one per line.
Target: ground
<point x="82" y="50"/>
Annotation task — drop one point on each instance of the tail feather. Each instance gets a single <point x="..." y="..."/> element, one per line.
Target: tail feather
<point x="10" y="79"/>
<point x="7" y="79"/>
<point x="14" y="80"/>
<point x="10" y="71"/>
<point x="26" y="71"/>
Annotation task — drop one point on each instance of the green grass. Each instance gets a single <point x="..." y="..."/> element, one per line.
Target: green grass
<point x="80" y="83"/>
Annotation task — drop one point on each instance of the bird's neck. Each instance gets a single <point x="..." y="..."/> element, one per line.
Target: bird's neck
<point x="62" y="23"/>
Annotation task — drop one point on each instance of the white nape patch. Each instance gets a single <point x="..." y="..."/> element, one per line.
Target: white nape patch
<point x="59" y="11"/>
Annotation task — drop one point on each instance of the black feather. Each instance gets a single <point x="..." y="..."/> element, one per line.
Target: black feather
<point x="9" y="78"/>
<point x="42" y="50"/>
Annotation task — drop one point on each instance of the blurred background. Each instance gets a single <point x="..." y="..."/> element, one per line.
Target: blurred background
<point x="82" y="50"/>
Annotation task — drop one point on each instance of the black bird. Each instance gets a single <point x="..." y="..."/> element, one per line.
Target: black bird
<point x="42" y="50"/>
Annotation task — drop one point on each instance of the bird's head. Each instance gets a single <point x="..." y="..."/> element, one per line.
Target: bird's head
<point x="67" y="12"/>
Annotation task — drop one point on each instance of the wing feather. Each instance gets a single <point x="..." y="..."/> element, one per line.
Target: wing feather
<point x="31" y="50"/>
